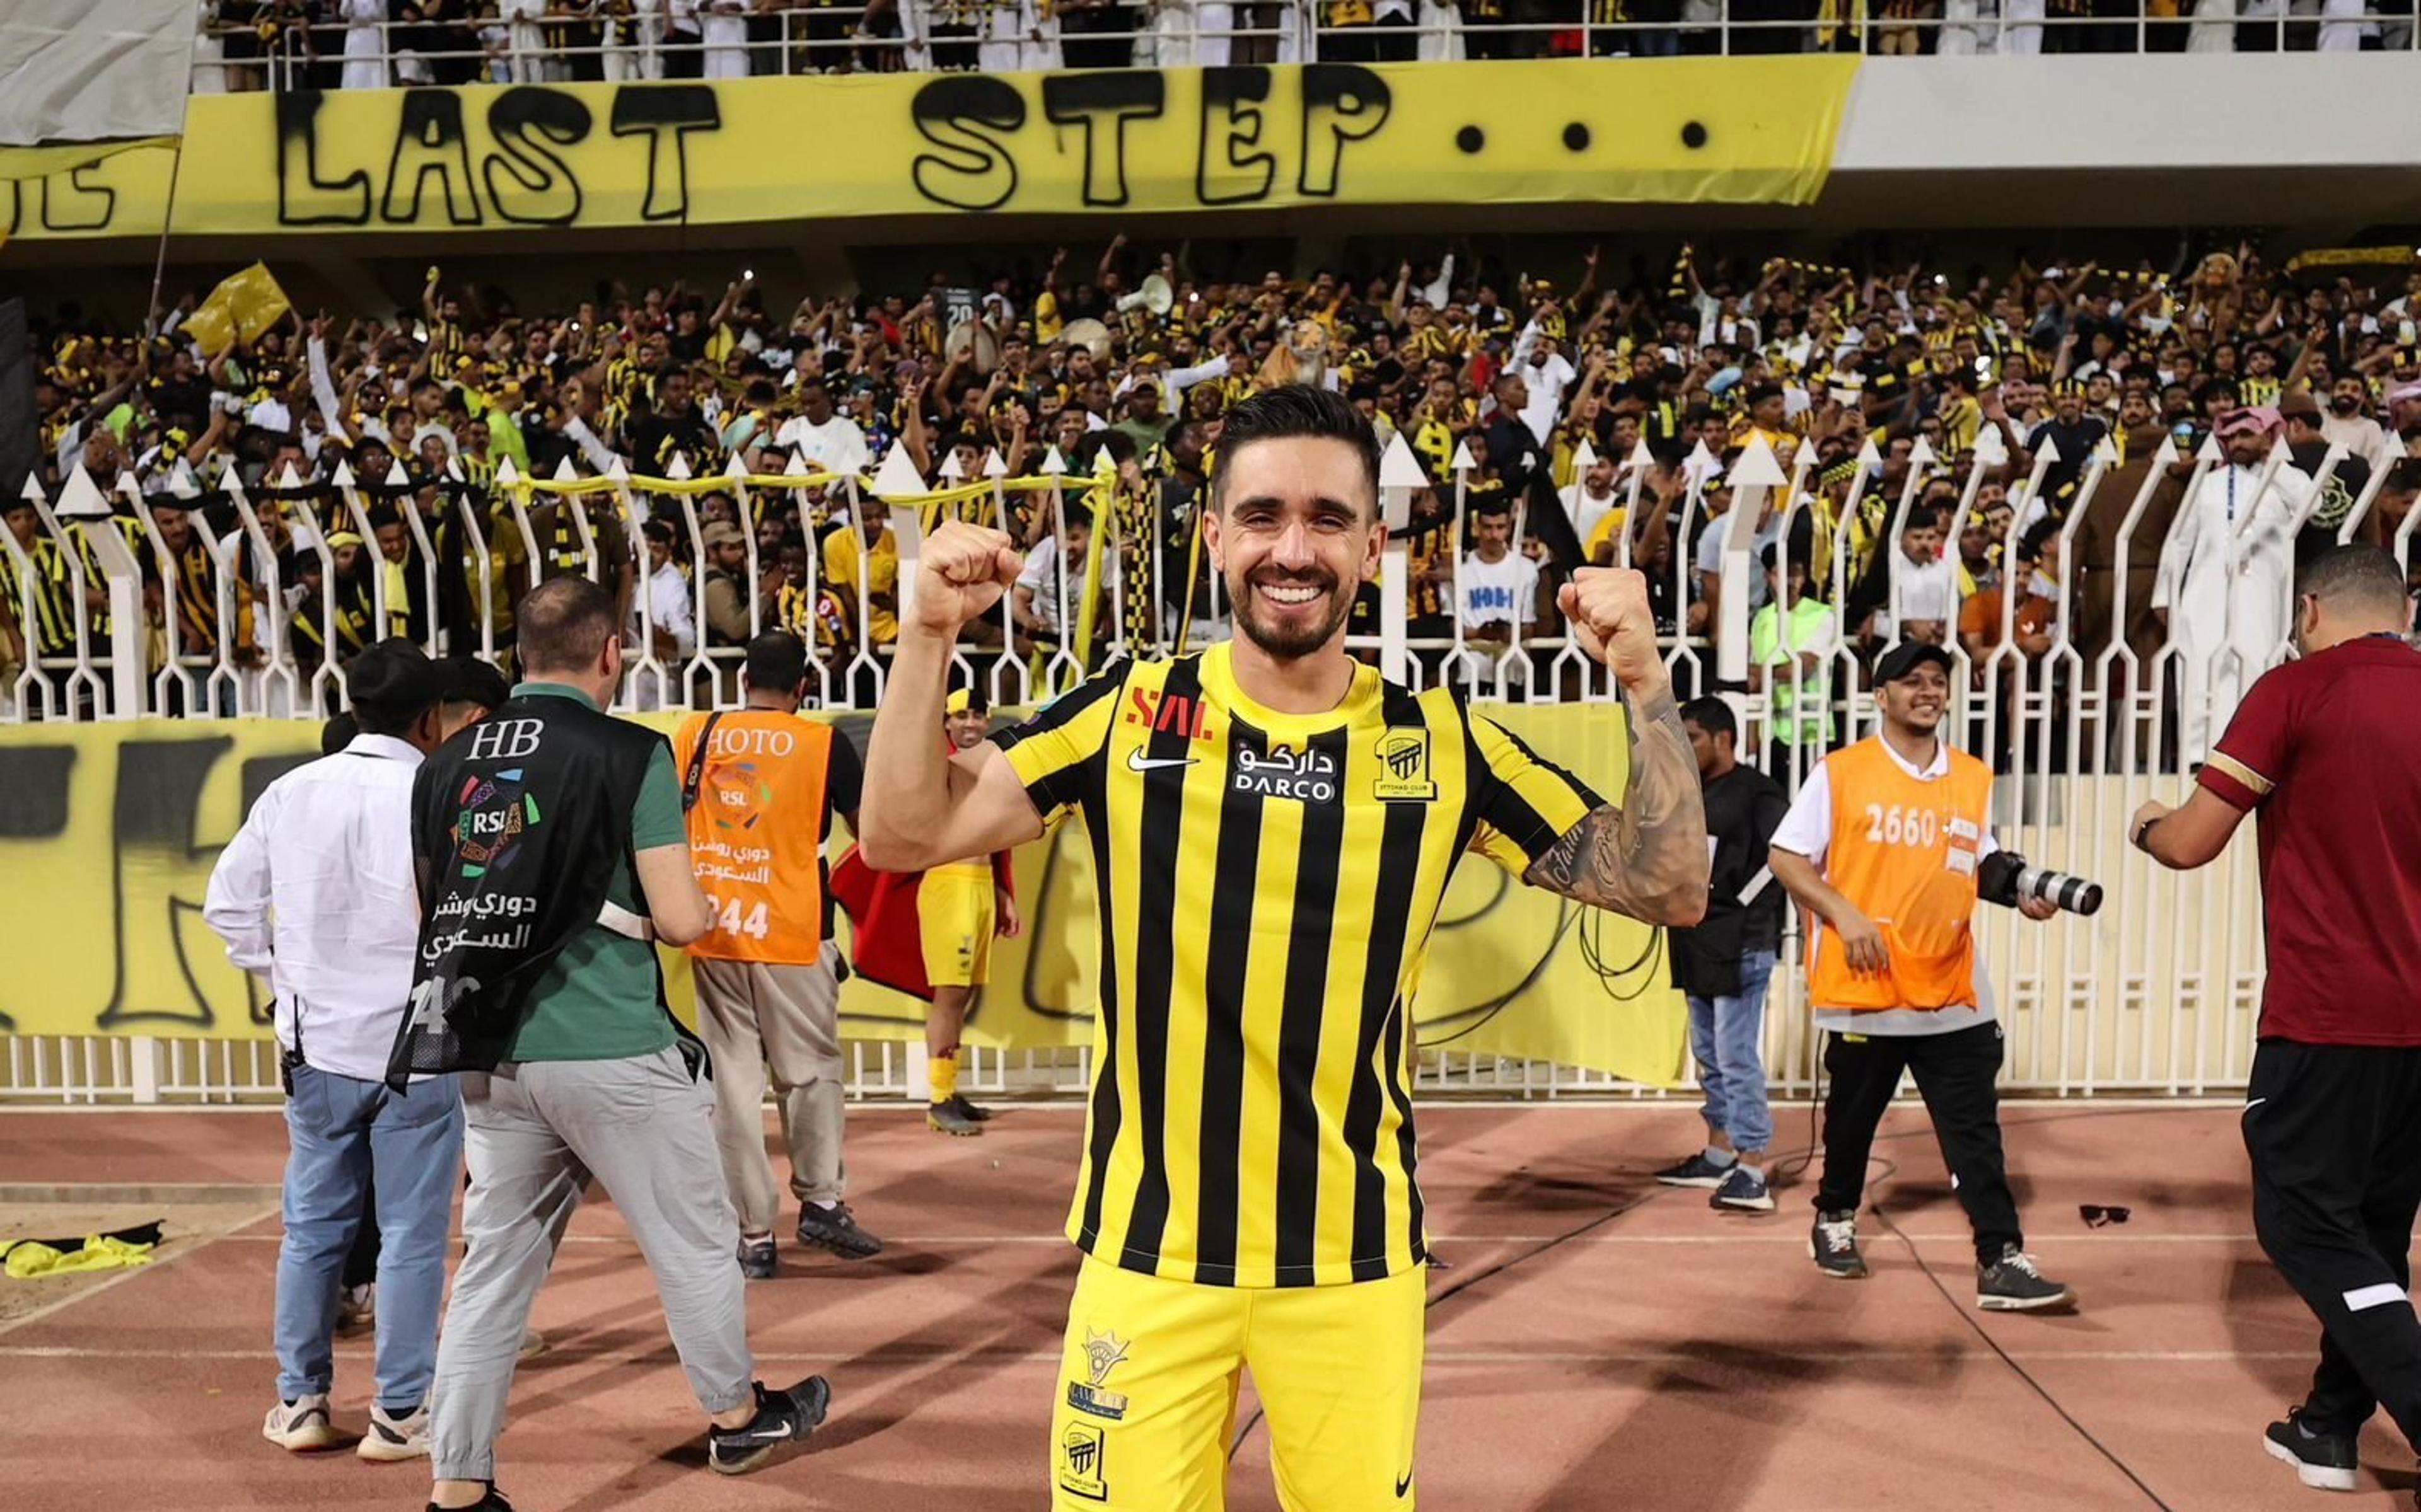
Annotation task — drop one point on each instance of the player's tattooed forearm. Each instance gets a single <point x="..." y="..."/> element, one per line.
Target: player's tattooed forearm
<point x="1647" y="855"/>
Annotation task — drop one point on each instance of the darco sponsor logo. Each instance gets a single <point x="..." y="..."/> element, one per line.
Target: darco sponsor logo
<point x="1306" y="777"/>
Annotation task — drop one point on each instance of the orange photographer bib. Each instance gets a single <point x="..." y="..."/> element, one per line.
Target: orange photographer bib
<point x="1904" y="851"/>
<point x="757" y="832"/>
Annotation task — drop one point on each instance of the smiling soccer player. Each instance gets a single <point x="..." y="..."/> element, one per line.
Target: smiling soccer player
<point x="1273" y="826"/>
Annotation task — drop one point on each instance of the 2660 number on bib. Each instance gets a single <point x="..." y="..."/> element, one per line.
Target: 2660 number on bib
<point x="1917" y="828"/>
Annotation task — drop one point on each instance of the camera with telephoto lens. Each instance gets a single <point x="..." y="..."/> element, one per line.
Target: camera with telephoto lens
<point x="2005" y="878"/>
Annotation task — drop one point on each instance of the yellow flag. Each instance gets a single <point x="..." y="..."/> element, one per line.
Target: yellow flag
<point x="246" y="305"/>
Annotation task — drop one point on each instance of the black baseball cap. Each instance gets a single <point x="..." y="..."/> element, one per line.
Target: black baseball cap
<point x="1907" y="657"/>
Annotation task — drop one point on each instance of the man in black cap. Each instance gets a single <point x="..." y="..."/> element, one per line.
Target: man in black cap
<point x="1884" y="844"/>
<point x="315" y="893"/>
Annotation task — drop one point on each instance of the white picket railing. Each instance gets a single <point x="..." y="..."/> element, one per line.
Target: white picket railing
<point x="2157" y="995"/>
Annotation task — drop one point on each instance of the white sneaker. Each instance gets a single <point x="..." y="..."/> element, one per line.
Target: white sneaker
<point x="357" y="1307"/>
<point x="391" y="1439"/>
<point x="301" y="1425"/>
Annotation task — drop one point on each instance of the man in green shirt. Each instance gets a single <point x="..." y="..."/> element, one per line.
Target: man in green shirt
<point x="592" y="1080"/>
<point x="1790" y="646"/>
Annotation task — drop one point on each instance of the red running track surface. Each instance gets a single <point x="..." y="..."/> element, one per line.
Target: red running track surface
<point x="1598" y="1341"/>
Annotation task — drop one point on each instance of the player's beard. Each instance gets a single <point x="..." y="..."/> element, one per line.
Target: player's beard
<point x="1287" y="641"/>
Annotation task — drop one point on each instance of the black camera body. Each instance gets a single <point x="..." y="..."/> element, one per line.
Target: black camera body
<point x="2005" y="878"/>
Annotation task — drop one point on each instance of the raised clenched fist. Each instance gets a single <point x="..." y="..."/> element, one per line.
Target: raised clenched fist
<point x="1608" y="610"/>
<point x="960" y="574"/>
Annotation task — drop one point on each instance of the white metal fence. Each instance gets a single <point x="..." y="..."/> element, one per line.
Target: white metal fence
<point x="638" y="42"/>
<point x="2158" y="994"/>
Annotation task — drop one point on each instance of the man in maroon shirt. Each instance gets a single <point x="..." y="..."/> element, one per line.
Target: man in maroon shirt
<point x="2327" y="749"/>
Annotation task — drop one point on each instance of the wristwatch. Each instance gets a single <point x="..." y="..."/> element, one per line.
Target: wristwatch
<point x="2144" y="833"/>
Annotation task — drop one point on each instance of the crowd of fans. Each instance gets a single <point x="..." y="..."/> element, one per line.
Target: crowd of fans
<point x="250" y="44"/>
<point x="1118" y="370"/>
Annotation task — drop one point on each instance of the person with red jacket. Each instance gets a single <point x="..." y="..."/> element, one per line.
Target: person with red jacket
<point x="2324" y="749"/>
<point x="930" y="934"/>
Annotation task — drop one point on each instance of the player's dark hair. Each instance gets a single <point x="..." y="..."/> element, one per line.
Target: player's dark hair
<point x="777" y="661"/>
<point x="470" y="681"/>
<point x="1712" y="716"/>
<point x="1291" y="411"/>
<point x="563" y="626"/>
<point x="2354" y="577"/>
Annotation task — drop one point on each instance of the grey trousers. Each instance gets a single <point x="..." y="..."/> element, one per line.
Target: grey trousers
<point x="535" y="1134"/>
<point x="755" y="1017"/>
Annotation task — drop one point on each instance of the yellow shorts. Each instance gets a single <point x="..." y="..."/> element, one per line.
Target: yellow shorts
<point x="954" y="924"/>
<point x="1146" y="1395"/>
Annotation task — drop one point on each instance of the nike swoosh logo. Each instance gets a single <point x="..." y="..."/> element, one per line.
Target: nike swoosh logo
<point x="1404" y="1484"/>
<point x="1137" y="761"/>
<point x="2255" y="1103"/>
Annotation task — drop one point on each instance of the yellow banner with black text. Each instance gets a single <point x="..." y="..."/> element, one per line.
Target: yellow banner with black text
<point x="1676" y="131"/>
<point x="108" y="834"/>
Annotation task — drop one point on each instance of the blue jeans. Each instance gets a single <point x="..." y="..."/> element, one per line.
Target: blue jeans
<point x="1724" y="1036"/>
<point x="339" y="1130"/>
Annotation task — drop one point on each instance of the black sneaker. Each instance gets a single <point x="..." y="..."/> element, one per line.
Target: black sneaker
<point x="968" y="1110"/>
<point x="2013" y="1284"/>
<point x="1698" y="1170"/>
<point x="782" y="1417"/>
<point x="756" y="1259"/>
<point x="2323" y="1461"/>
<point x="1833" y="1243"/>
<point x="493" y="1502"/>
<point x="834" y="1229"/>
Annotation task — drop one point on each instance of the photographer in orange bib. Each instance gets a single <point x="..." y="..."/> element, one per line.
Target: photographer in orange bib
<point x="1885" y="844"/>
<point x="759" y="788"/>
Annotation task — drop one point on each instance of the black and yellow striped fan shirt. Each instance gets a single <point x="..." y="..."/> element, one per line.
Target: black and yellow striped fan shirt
<point x="1268" y="883"/>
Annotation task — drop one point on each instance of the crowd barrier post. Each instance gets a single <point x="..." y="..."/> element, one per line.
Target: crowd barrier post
<point x="573" y="504"/>
<point x="996" y="471"/>
<point x="735" y="472"/>
<point x="270" y="603"/>
<point x="897" y="487"/>
<point x="1399" y="478"/>
<point x="1753" y="480"/>
<point x="86" y="499"/>
<point x="290" y="484"/>
<point x="173" y="673"/>
<point x="122" y="576"/>
<point x="400" y="493"/>
<point x="348" y="495"/>
<point x="698" y="663"/>
<point x="1065" y="655"/>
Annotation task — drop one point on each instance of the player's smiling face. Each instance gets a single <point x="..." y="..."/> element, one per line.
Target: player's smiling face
<point x="1296" y="533"/>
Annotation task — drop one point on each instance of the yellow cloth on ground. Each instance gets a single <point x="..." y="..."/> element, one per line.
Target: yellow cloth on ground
<point x="35" y="1258"/>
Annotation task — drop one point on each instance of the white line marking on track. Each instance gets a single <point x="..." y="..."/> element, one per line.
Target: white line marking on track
<point x="563" y="1347"/>
<point x="1795" y="1238"/>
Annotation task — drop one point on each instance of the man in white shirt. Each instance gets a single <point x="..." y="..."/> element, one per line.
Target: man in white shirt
<point x="1546" y="373"/>
<point x="826" y="440"/>
<point x="1591" y="498"/>
<point x="1496" y="597"/>
<point x="1924" y="600"/>
<point x="672" y="617"/>
<point x="2222" y="584"/>
<point x="317" y="894"/>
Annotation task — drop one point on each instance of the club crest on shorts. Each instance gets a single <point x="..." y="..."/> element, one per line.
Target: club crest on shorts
<point x="1102" y="1354"/>
<point x="1084" y="1452"/>
<point x="1404" y="769"/>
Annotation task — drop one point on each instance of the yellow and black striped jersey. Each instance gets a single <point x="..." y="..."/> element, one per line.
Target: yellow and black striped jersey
<point x="47" y="616"/>
<point x="1267" y="887"/>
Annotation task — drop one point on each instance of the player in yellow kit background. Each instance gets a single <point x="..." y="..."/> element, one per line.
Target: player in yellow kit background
<point x="1273" y="826"/>
<point x="961" y="905"/>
